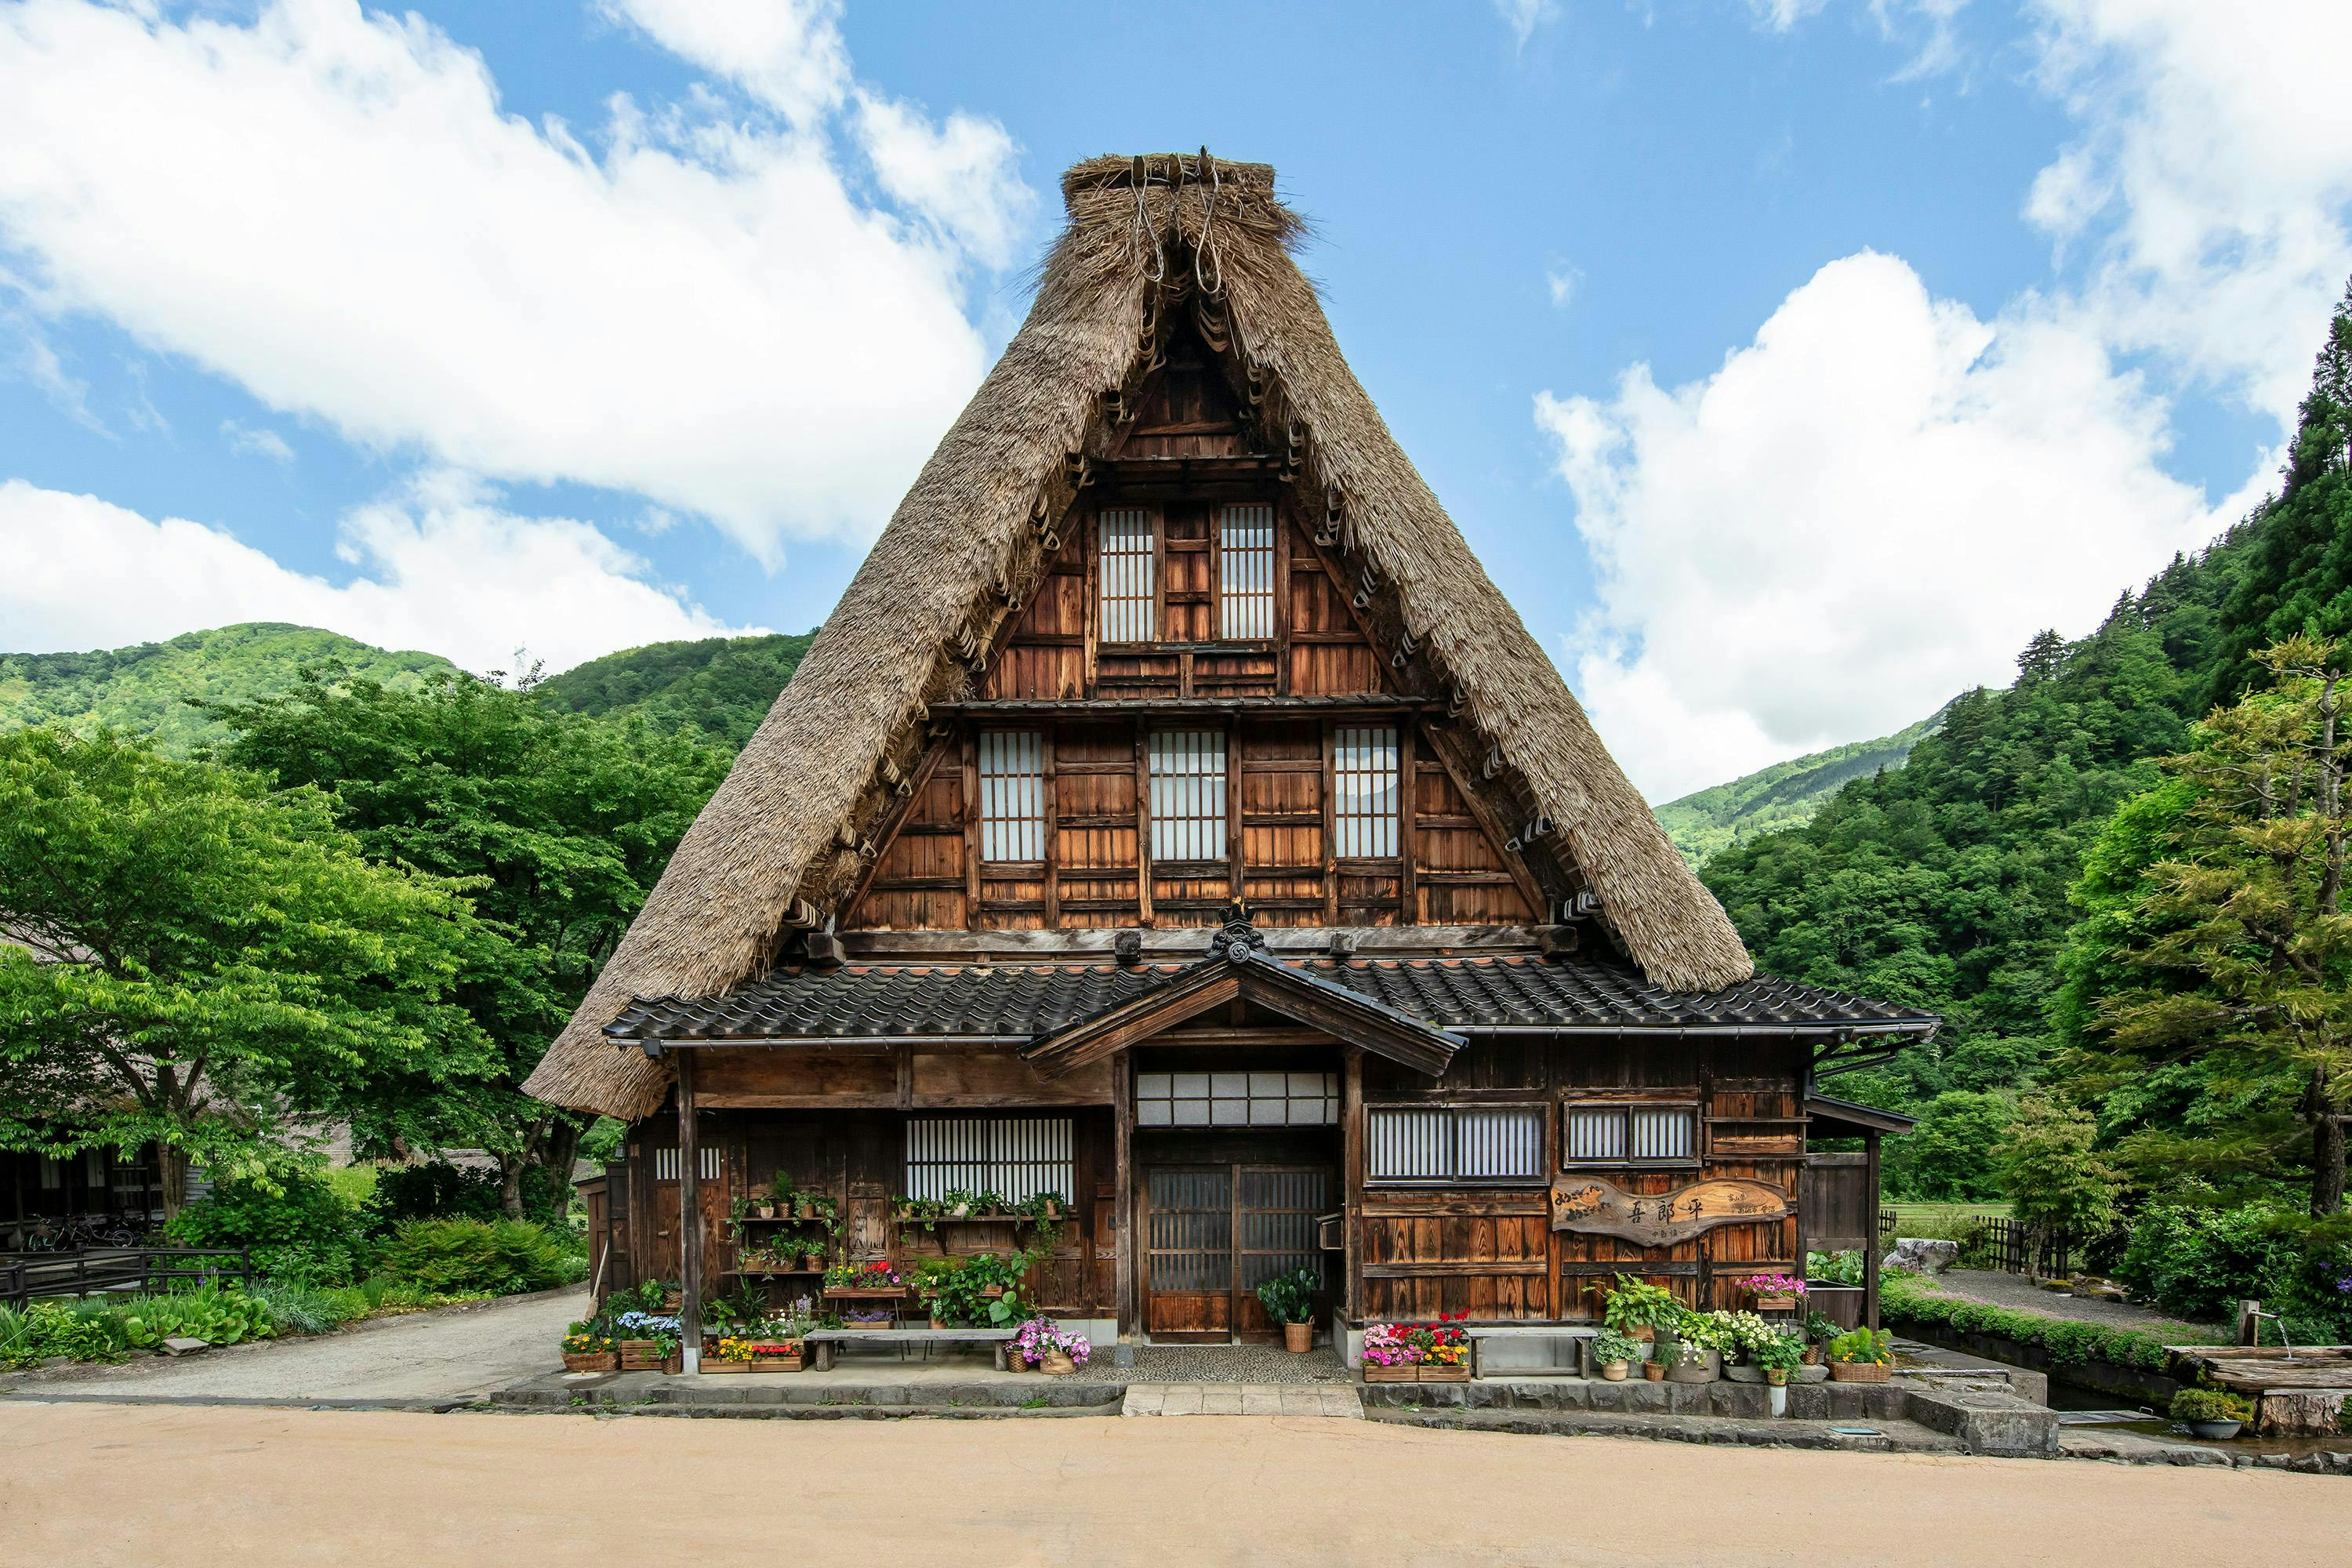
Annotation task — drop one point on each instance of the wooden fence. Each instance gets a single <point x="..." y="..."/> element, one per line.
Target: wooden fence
<point x="2000" y="1243"/>
<point x="139" y="1270"/>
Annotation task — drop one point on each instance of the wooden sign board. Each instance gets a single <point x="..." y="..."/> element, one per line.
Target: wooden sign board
<point x="1602" y="1207"/>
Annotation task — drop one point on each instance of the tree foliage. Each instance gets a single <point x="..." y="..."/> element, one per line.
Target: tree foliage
<point x="718" y="689"/>
<point x="201" y="962"/>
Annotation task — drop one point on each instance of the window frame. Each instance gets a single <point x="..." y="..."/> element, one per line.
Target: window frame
<point x="1624" y="1109"/>
<point x="1155" y="529"/>
<point x="1042" y="822"/>
<point x="1215" y="783"/>
<point x="1068" y="1162"/>
<point x="1394" y="730"/>
<point x="1455" y="1111"/>
<point x="1271" y="594"/>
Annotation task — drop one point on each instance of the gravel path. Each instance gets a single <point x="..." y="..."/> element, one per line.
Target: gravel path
<point x="155" y="1486"/>
<point x="2002" y="1290"/>
<point x="451" y="1354"/>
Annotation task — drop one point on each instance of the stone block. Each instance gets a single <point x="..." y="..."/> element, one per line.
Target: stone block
<point x="1645" y="1395"/>
<point x="178" y="1345"/>
<point x="1987" y="1421"/>
<point x="1922" y="1255"/>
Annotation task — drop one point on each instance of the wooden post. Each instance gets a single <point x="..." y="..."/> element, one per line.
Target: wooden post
<point x="1870" y="1236"/>
<point x="2250" y="1323"/>
<point x="1123" y="1198"/>
<point x="1351" y="1195"/>
<point x="689" y="1218"/>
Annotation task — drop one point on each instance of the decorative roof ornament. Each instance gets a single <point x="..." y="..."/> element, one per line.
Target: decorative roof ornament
<point x="1236" y="937"/>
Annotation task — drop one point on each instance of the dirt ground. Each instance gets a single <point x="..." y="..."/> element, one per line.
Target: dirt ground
<point x="155" y="1485"/>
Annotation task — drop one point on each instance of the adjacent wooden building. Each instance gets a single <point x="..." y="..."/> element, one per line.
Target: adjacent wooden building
<point x="1174" y="817"/>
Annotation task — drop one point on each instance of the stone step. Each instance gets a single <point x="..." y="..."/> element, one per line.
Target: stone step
<point x="1335" y="1400"/>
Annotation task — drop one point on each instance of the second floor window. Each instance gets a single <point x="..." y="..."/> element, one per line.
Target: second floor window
<point x="1364" y="793"/>
<point x="1129" y="599"/>
<point x="1012" y="795"/>
<point x="1246" y="572"/>
<point x="1188" y="794"/>
<point x="1623" y="1133"/>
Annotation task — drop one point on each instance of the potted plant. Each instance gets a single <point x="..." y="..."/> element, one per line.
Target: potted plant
<point x="1775" y="1292"/>
<point x="778" y="1199"/>
<point x="1053" y="1350"/>
<point x="2210" y="1414"/>
<point x="1819" y="1331"/>
<point x="1289" y="1300"/>
<point x="644" y="1339"/>
<point x="1861" y="1355"/>
<point x="1389" y="1355"/>
<point x="587" y="1348"/>
<point x="1779" y="1355"/>
<point x="1638" y="1310"/>
<point x="957" y="1203"/>
<point x="1614" y="1354"/>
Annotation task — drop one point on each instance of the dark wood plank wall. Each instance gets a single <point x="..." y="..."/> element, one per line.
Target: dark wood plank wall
<point x="1492" y="1252"/>
<point x="858" y="1157"/>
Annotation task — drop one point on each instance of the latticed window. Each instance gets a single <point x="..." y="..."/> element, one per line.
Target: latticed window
<point x="1245" y="572"/>
<point x="1188" y="794"/>
<point x="1364" y="789"/>
<point x="1012" y="795"/>
<point x="1466" y="1144"/>
<point x="1128" y="595"/>
<point x="1236" y="1099"/>
<point x="666" y="1164"/>
<point x="1019" y="1156"/>
<point x="1617" y="1133"/>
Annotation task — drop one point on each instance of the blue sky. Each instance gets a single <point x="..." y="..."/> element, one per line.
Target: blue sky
<point x="1788" y="362"/>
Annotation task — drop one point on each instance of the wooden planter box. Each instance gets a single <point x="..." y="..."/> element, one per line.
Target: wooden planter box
<point x="591" y="1360"/>
<point x="1776" y="1303"/>
<point x="1430" y="1373"/>
<point x="1375" y="1373"/>
<point x="1860" y="1371"/>
<point x="712" y="1366"/>
<point x="796" y="1361"/>
<point x="645" y="1356"/>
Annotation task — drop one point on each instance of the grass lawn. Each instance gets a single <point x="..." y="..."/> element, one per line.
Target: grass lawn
<point x="1941" y="1214"/>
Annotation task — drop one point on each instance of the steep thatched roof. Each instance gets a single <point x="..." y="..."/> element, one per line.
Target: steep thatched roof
<point x="780" y="839"/>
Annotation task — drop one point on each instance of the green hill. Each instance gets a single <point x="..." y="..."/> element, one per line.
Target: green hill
<point x="719" y="686"/>
<point x="1785" y="794"/>
<point x="144" y="690"/>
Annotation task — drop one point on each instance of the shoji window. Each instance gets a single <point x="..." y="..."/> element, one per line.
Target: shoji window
<point x="1128" y="596"/>
<point x="1012" y="795"/>
<point x="1618" y="1134"/>
<point x="666" y="1164"/>
<point x="1188" y="794"/>
<point x="1019" y="1156"/>
<point x="1236" y="1099"/>
<point x="1461" y="1144"/>
<point x="1245" y="572"/>
<point x="1364" y="796"/>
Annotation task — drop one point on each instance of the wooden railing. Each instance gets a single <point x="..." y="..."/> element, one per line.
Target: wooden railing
<point x="135" y="1269"/>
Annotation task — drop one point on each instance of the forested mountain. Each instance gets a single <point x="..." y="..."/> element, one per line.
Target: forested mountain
<point x="1946" y="883"/>
<point x="719" y="686"/>
<point x="143" y="690"/>
<point x="1785" y="794"/>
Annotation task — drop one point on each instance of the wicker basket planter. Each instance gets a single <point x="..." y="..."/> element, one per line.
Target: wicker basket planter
<point x="1860" y="1371"/>
<point x="591" y="1360"/>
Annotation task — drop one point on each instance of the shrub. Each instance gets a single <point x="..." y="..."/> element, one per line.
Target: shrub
<point x="455" y="1257"/>
<point x="307" y="1309"/>
<point x="2208" y="1405"/>
<point x="2200" y="1263"/>
<point x="301" y="1234"/>
<point x="1910" y="1302"/>
<point x="434" y="1190"/>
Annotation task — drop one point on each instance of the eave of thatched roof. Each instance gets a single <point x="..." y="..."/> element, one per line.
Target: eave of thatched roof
<point x="779" y="840"/>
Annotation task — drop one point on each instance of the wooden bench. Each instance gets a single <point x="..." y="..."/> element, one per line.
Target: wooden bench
<point x="823" y="1340"/>
<point x="1525" y="1332"/>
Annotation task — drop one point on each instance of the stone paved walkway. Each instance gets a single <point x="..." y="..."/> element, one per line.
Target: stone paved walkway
<point x="1335" y="1400"/>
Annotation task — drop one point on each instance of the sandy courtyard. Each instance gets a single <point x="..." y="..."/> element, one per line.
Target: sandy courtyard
<point x="156" y="1485"/>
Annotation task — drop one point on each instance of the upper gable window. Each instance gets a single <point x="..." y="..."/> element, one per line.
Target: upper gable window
<point x="1246" y="572"/>
<point x="1129" y="594"/>
<point x="1012" y="795"/>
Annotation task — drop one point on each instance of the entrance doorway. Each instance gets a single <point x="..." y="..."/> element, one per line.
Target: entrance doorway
<point x="1215" y="1232"/>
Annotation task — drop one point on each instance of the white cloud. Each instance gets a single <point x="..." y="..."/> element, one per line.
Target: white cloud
<point x="252" y="441"/>
<point x="439" y="567"/>
<point x="1780" y="15"/>
<point x="332" y="209"/>
<point x="1524" y="16"/>
<point x="1562" y="282"/>
<point x="2211" y="181"/>
<point x="1867" y="511"/>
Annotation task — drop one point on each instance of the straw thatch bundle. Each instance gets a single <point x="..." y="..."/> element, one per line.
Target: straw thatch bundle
<point x="784" y="836"/>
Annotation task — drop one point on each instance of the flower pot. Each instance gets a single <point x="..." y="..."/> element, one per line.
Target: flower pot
<point x="1053" y="1209"/>
<point x="1860" y="1371"/>
<point x="936" y="1322"/>
<point x="591" y="1360"/>
<point x="1614" y="1370"/>
<point x="1298" y="1338"/>
<point x="765" y="1211"/>
<point x="1706" y="1369"/>
<point x="2214" y="1430"/>
<point x="1057" y="1364"/>
<point x="1375" y="1374"/>
<point x="804" y="1210"/>
<point x="1813" y="1355"/>
<point x="1776" y="1303"/>
<point x="1655" y="1371"/>
<point x="1778" y="1376"/>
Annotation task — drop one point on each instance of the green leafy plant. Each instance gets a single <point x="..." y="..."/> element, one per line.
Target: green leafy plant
<point x="501" y="1256"/>
<point x="1290" y="1297"/>
<point x="1820" y="1329"/>
<point x="1912" y="1303"/>
<point x="294" y="1227"/>
<point x="1834" y="1267"/>
<point x="1610" y="1345"/>
<point x="2210" y="1404"/>
<point x="1637" y="1304"/>
<point x="1778" y="1352"/>
<point x="1863" y="1346"/>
